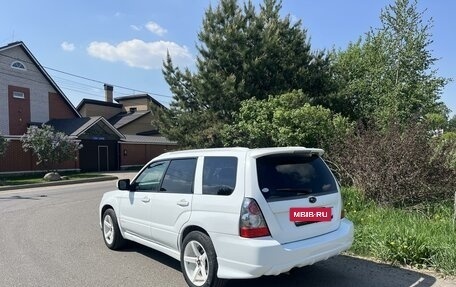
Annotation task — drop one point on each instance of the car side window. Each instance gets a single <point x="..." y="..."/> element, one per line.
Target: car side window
<point x="179" y="176"/>
<point x="219" y="175"/>
<point x="150" y="178"/>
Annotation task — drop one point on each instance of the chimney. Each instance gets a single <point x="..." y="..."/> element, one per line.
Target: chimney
<point x="108" y="92"/>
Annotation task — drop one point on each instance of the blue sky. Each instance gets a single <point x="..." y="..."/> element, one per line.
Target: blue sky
<point x="123" y="42"/>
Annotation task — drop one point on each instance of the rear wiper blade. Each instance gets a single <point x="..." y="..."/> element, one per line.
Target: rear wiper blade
<point x="298" y="191"/>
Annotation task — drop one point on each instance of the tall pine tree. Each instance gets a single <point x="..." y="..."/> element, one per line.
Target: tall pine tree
<point x="243" y="54"/>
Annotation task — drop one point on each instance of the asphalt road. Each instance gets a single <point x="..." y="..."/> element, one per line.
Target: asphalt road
<point x="51" y="237"/>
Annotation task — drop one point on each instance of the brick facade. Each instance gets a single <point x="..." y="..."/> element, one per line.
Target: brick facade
<point x="16" y="159"/>
<point x="58" y="108"/>
<point x="140" y="154"/>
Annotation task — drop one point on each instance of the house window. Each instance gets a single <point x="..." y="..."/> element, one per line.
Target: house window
<point x="18" y="95"/>
<point x="18" y="65"/>
<point x="132" y="110"/>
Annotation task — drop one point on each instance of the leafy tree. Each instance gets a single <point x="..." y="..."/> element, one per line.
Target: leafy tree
<point x="3" y="145"/>
<point x="49" y="146"/>
<point x="357" y="91"/>
<point x="243" y="54"/>
<point x="452" y="124"/>
<point x="285" y="120"/>
<point x="390" y="75"/>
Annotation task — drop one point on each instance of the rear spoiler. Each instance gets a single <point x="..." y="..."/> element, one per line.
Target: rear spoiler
<point x="286" y="150"/>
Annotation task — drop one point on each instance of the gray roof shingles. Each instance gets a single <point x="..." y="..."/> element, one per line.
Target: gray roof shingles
<point x="123" y="119"/>
<point x="98" y="103"/>
<point x="75" y="127"/>
<point x="71" y="127"/>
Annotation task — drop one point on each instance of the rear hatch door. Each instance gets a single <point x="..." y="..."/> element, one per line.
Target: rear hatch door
<point x="290" y="183"/>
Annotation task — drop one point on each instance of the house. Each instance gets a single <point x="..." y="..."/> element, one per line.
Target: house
<point x="99" y="139"/>
<point x="132" y="116"/>
<point x="29" y="96"/>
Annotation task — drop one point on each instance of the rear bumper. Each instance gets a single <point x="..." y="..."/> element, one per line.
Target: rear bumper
<point x="250" y="258"/>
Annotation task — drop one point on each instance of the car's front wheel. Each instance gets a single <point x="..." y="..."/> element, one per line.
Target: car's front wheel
<point x="111" y="233"/>
<point x="199" y="261"/>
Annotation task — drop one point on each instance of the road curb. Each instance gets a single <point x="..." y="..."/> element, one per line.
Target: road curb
<point x="61" y="182"/>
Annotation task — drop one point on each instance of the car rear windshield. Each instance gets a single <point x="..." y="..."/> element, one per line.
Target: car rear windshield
<point x="284" y="176"/>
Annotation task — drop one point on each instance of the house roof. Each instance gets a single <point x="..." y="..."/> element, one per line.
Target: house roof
<point x="98" y="103"/>
<point x="124" y="118"/>
<point x="157" y="139"/>
<point x="76" y="127"/>
<point x="41" y="69"/>
<point x="139" y="96"/>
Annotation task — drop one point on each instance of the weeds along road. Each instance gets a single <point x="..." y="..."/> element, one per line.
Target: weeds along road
<point x="51" y="237"/>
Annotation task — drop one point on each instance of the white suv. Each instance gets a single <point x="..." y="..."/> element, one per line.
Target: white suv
<point x="231" y="212"/>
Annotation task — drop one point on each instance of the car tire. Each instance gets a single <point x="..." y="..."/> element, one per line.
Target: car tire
<point x="110" y="229"/>
<point x="199" y="261"/>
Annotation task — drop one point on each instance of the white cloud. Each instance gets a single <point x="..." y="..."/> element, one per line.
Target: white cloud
<point x="140" y="54"/>
<point x="69" y="47"/>
<point x="136" y="28"/>
<point x="155" y="28"/>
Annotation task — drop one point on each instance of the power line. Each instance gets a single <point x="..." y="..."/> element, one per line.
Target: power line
<point x="64" y="86"/>
<point x="82" y="92"/>
<point x="77" y="83"/>
<point x="83" y="85"/>
<point x="72" y="85"/>
<point x="88" y="79"/>
<point x="87" y="85"/>
<point x="101" y="82"/>
<point x="47" y="83"/>
<point x="24" y="78"/>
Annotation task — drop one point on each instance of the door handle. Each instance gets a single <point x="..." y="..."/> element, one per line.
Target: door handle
<point x="145" y="199"/>
<point x="183" y="202"/>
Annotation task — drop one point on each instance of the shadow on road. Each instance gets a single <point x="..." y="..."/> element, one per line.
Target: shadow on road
<point x="152" y="254"/>
<point x="339" y="271"/>
<point x="18" y="197"/>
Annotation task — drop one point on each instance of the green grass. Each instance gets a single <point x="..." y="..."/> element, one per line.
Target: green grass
<point x="38" y="178"/>
<point x="423" y="237"/>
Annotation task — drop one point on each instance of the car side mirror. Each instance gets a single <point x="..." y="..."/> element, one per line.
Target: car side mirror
<point x="124" y="184"/>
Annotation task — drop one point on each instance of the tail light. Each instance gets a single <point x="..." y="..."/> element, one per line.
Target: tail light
<point x="252" y="223"/>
